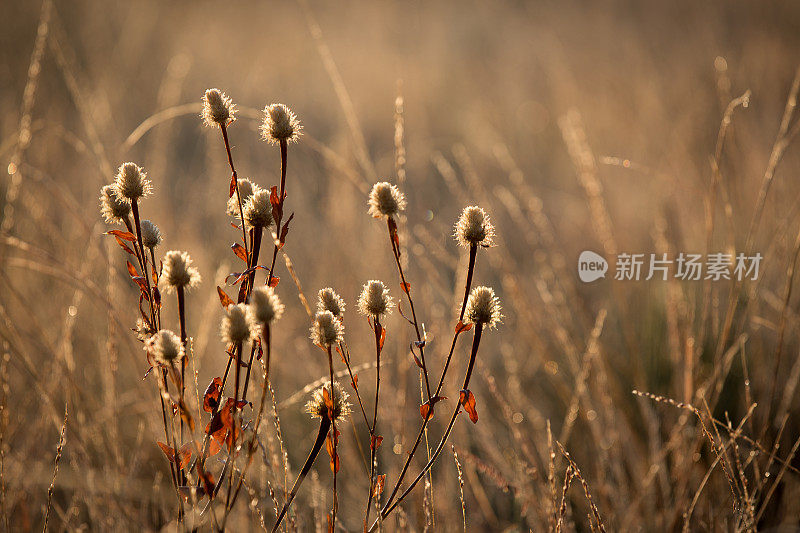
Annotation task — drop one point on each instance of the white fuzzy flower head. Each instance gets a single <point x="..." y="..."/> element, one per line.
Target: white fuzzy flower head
<point x="151" y="235"/>
<point x="131" y="182"/>
<point x="165" y="347"/>
<point x="178" y="271"/>
<point x="113" y="208"/>
<point x="258" y="210"/>
<point x="385" y="200"/>
<point x="143" y="330"/>
<point x="375" y="300"/>
<point x="265" y="305"/>
<point x="246" y="190"/>
<point x="328" y="300"/>
<point x="326" y="330"/>
<point x="280" y="124"/>
<point x="474" y="228"/>
<point x="317" y="407"/>
<point x="238" y="325"/>
<point x="218" y="109"/>
<point x="483" y="307"/>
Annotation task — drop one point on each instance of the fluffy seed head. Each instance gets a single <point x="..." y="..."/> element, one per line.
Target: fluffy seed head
<point x="258" y="210"/>
<point x="218" y="109"/>
<point x="131" y="182"/>
<point x="178" y="271"/>
<point x="318" y="408"/>
<point x="474" y="227"/>
<point x="328" y="300"/>
<point x="280" y="124"/>
<point x="151" y="235"/>
<point x="374" y="300"/>
<point x="265" y="305"/>
<point x="385" y="199"/>
<point x="483" y="307"/>
<point x="113" y="208"/>
<point x="246" y="189"/>
<point x="238" y="325"/>
<point x="165" y="347"/>
<point x="326" y="329"/>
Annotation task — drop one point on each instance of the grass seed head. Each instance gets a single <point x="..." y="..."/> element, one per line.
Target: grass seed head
<point x="113" y="208"/>
<point x="474" y="228"/>
<point x="280" y="124"/>
<point x="265" y="305"/>
<point x="218" y="109"/>
<point x="151" y="235"/>
<point x="386" y="200"/>
<point x="318" y="408"/>
<point x="326" y="329"/>
<point x="483" y="307"/>
<point x="178" y="271"/>
<point x="375" y="300"/>
<point x="328" y="300"/>
<point x="258" y="210"/>
<point x="165" y="347"/>
<point x="131" y="182"/>
<point x="238" y="325"/>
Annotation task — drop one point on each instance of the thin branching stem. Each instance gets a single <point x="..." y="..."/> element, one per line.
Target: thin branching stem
<point x="373" y="445"/>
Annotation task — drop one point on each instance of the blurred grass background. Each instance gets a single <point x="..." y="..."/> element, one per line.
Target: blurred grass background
<point x="491" y="93"/>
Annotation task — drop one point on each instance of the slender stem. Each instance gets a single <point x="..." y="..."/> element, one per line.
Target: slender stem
<point x="234" y="412"/>
<point x="324" y="426"/>
<point x="389" y="506"/>
<point x="458" y="330"/>
<point x="407" y="290"/>
<point x="373" y="430"/>
<point x="224" y="130"/>
<point x="346" y="355"/>
<point x="281" y="198"/>
<point x="335" y="458"/>
<point x="182" y="319"/>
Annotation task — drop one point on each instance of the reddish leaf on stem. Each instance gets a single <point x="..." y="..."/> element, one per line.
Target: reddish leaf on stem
<point x="406" y="287"/>
<point x="331" y="447"/>
<point x="212" y="394"/>
<point x="238" y="249"/>
<point x="467" y="399"/>
<point x="354" y="381"/>
<point x="124" y="246"/>
<point x="427" y="407"/>
<point x="131" y="269"/>
<point x="183" y="456"/>
<point x="375" y="442"/>
<point x="379" y="483"/>
<point x="383" y="339"/>
<point x="124" y="235"/>
<point x="273" y="281"/>
<point x="232" y="186"/>
<point x="224" y="299"/>
<point x="461" y="327"/>
<point x="284" y="231"/>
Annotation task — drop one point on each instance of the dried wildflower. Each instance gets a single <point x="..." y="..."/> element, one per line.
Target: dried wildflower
<point x="246" y="190"/>
<point x="131" y="182"/>
<point x="218" y="109"/>
<point x="474" y="228"/>
<point x="483" y="307"/>
<point x="113" y="208"/>
<point x="318" y="408"/>
<point x="280" y="124"/>
<point x="326" y="329"/>
<point x="328" y="300"/>
<point x="143" y="330"/>
<point x="178" y="271"/>
<point x="385" y="199"/>
<point x="374" y="300"/>
<point x="266" y="305"/>
<point x="238" y="325"/>
<point x="151" y="235"/>
<point x="165" y="347"/>
<point x="258" y="210"/>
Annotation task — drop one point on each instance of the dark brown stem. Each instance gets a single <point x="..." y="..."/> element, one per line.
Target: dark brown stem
<point x="373" y="430"/>
<point x="473" y="250"/>
<point x="407" y="290"/>
<point x="235" y="179"/>
<point x="182" y="319"/>
<point x="281" y="197"/>
<point x="324" y="426"/>
<point x="389" y="506"/>
<point x="334" y="439"/>
<point x="346" y="355"/>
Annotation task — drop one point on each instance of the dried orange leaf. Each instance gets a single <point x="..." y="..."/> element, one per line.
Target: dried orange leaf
<point x="467" y="399"/>
<point x="224" y="299"/>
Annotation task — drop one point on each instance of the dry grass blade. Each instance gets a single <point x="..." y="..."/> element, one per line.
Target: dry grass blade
<point x="62" y="439"/>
